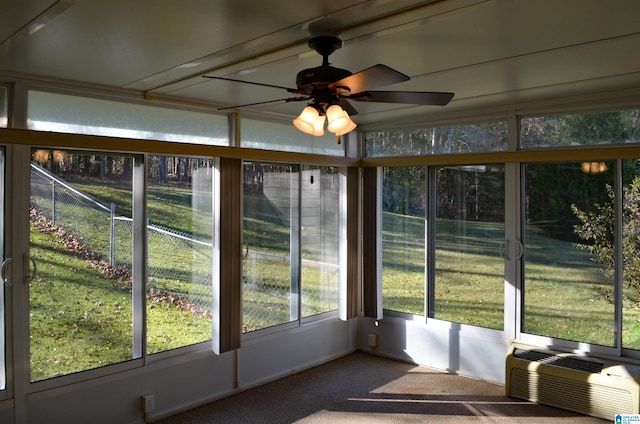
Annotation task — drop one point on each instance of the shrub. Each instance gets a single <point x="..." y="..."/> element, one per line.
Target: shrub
<point x="597" y="229"/>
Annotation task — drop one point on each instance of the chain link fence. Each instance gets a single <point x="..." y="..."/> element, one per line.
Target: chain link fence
<point x="177" y="265"/>
<point x="76" y="213"/>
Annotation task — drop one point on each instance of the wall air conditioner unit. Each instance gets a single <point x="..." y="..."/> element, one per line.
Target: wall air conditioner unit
<point x="586" y="385"/>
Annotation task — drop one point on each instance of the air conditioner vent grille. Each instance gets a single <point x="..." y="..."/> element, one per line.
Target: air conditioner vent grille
<point x="559" y="361"/>
<point x="578" y="396"/>
<point x="600" y="388"/>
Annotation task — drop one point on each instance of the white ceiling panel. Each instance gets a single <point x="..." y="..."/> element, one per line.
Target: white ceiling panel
<point x="489" y="52"/>
<point x="18" y="14"/>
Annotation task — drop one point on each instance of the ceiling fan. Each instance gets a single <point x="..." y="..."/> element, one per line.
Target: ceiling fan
<point x="330" y="90"/>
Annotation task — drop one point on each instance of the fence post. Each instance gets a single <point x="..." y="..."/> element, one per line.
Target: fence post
<point x="53" y="201"/>
<point x="112" y="236"/>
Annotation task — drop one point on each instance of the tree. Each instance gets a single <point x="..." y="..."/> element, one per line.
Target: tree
<point x="597" y="128"/>
<point x="597" y="229"/>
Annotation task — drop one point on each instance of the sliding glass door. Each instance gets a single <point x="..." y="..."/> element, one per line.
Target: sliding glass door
<point x="5" y="281"/>
<point x="567" y="294"/>
<point x="80" y="280"/>
<point x="468" y="240"/>
<point x="630" y="222"/>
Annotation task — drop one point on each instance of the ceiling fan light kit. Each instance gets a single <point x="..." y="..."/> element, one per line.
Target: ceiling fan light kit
<point x="310" y="121"/>
<point x="312" y="118"/>
<point x="338" y="120"/>
<point x="330" y="89"/>
<point x="318" y="125"/>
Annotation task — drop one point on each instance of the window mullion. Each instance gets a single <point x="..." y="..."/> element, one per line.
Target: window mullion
<point x="139" y="255"/>
<point x="619" y="254"/>
<point x="513" y="249"/>
<point x="295" y="251"/>
<point x="430" y="248"/>
<point x="371" y="243"/>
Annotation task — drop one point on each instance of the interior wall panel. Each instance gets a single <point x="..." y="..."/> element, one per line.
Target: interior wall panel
<point x="445" y="346"/>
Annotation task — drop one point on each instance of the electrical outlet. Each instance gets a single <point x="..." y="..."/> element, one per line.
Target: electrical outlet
<point x="373" y="340"/>
<point x="148" y="402"/>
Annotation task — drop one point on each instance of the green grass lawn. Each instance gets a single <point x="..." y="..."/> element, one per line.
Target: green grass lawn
<point x="80" y="319"/>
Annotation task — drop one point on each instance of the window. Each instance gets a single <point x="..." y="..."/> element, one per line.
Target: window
<point x="631" y="254"/>
<point x="610" y="127"/>
<point x="469" y="235"/>
<point x="81" y="297"/>
<point x="86" y="292"/>
<point x="179" y="245"/>
<point x="85" y="115"/>
<point x="403" y="239"/>
<point x="271" y="245"/>
<point x="3" y="375"/>
<point x="292" y="240"/>
<point x="91" y="246"/>
<point x="471" y="138"/>
<point x="466" y="235"/>
<point x="258" y="134"/>
<point x="320" y="238"/>
<point x="567" y="293"/>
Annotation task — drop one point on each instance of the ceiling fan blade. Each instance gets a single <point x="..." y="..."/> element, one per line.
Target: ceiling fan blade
<point x="409" y="97"/>
<point x="289" y="99"/>
<point x="376" y="76"/>
<point x="344" y="103"/>
<point x="290" y="90"/>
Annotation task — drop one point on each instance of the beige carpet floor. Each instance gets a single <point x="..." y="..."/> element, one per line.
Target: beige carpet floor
<point x="363" y="388"/>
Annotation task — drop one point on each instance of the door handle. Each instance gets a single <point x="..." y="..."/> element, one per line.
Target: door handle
<point x="519" y="250"/>
<point x="4" y="272"/>
<point x="504" y="249"/>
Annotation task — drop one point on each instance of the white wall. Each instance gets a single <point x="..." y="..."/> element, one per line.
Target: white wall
<point x="455" y="348"/>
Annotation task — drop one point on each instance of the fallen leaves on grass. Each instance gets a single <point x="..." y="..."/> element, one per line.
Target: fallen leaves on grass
<point x="75" y="245"/>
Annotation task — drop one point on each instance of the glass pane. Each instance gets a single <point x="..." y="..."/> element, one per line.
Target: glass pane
<point x="3" y="375"/>
<point x="270" y="213"/>
<point x="469" y="267"/>
<point x="180" y="234"/>
<point x="403" y="239"/>
<point x="84" y="115"/>
<point x="616" y="127"/>
<point x="4" y="111"/>
<point x="631" y="251"/>
<point x="567" y="292"/>
<point x="80" y="297"/>
<point x="320" y="237"/>
<point x="258" y="134"/>
<point x="471" y="138"/>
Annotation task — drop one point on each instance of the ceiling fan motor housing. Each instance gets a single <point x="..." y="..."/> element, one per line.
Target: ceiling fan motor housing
<point x="309" y="81"/>
<point x="315" y="81"/>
